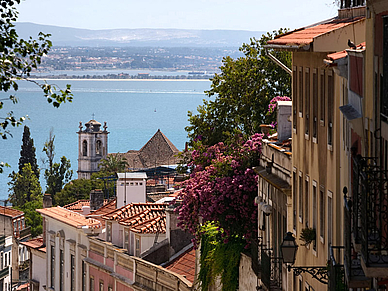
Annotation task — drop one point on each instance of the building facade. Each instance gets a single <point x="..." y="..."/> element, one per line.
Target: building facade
<point x="92" y="147"/>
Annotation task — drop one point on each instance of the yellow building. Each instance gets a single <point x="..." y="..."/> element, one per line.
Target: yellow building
<point x="317" y="199"/>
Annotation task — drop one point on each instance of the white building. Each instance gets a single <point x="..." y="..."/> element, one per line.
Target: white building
<point x="131" y="188"/>
<point x="92" y="147"/>
<point x="66" y="237"/>
<point x="5" y="262"/>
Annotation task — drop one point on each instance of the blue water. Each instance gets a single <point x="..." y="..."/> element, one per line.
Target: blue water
<point x="133" y="109"/>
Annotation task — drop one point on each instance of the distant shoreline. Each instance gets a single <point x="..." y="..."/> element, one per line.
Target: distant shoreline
<point x="124" y="80"/>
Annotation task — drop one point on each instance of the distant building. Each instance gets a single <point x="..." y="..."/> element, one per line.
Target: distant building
<point x="92" y="147"/>
<point x="14" y="225"/>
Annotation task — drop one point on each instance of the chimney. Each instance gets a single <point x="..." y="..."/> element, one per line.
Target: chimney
<point x="47" y="200"/>
<point x="96" y="199"/>
<point x="177" y="237"/>
<point x="284" y="110"/>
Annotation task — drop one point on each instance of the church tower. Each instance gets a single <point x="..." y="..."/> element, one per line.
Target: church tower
<point x="92" y="147"/>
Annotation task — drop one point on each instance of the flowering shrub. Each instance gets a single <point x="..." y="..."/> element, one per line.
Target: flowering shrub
<point x="221" y="189"/>
<point x="272" y="107"/>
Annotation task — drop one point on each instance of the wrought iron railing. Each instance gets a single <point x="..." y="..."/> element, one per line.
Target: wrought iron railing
<point x="370" y="217"/>
<point x="271" y="269"/>
<point x="336" y="270"/>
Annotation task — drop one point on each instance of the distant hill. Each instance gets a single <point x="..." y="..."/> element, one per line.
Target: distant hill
<point x="66" y="36"/>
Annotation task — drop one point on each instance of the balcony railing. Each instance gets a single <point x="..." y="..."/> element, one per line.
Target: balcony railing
<point x="354" y="274"/>
<point x="271" y="269"/>
<point x="23" y="233"/>
<point x="4" y="273"/>
<point x="336" y="270"/>
<point x="370" y="215"/>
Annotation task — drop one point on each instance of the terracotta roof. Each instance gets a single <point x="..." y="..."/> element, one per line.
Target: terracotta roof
<point x="306" y="35"/>
<point x="184" y="265"/>
<point x="141" y="217"/>
<point x="107" y="208"/>
<point x="132" y="209"/>
<point x="35" y="243"/>
<point x="159" y="150"/>
<point x="70" y="217"/>
<point x="339" y="55"/>
<point x="10" y="212"/>
<point x="151" y="220"/>
<point x="77" y="205"/>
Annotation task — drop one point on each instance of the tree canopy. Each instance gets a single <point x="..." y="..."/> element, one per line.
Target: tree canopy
<point x="25" y="194"/>
<point x="56" y="174"/>
<point x="18" y="57"/>
<point x="241" y="94"/>
<point x="113" y="163"/>
<point x="27" y="153"/>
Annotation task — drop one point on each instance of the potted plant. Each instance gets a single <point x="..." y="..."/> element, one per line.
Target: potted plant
<point x="307" y="235"/>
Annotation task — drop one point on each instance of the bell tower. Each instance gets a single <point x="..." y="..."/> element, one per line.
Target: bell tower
<point x="92" y="147"/>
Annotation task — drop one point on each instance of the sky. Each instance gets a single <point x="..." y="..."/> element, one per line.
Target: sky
<point x="253" y="15"/>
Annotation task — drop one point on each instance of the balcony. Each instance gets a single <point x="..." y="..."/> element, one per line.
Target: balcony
<point x="354" y="274"/>
<point x="4" y="273"/>
<point x="369" y="219"/>
<point x="21" y="234"/>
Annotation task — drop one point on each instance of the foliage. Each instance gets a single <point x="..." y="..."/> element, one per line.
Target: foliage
<point x="32" y="217"/>
<point x="218" y="259"/>
<point x="27" y="154"/>
<point x="56" y="174"/>
<point x="25" y="194"/>
<point x="18" y="57"/>
<point x="272" y="108"/>
<point x="242" y="92"/>
<point x="113" y="163"/>
<point x="75" y="190"/>
<point x="307" y="235"/>
<point x="24" y="187"/>
<point x="222" y="188"/>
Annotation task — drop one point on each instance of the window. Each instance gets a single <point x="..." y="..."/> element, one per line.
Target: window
<point x="321" y="212"/>
<point x="84" y="148"/>
<point x="126" y="239"/>
<point x="384" y="77"/>
<point x="330" y="106"/>
<point x="98" y="147"/>
<point x="306" y="200"/>
<point x="72" y="273"/>
<point x="300" y="197"/>
<point x="110" y="288"/>
<point x="109" y="231"/>
<point x="91" y="283"/>
<point x="5" y="260"/>
<point x="294" y="198"/>
<point x="315" y="105"/>
<point x="300" y="91"/>
<point x="61" y="271"/>
<point x="137" y="247"/>
<point x="307" y="101"/>
<point x="330" y="218"/>
<point x="52" y="278"/>
<point x="294" y="98"/>
<point x="314" y="209"/>
<point x="83" y="276"/>
<point x="323" y="97"/>
<point x="101" y="285"/>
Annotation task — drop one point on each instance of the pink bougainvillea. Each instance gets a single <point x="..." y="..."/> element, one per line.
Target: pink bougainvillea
<point x="222" y="188"/>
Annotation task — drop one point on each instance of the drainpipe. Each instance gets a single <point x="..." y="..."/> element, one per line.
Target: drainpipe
<point x="279" y="63"/>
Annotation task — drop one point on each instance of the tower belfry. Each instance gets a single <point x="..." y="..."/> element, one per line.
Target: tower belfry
<point x="92" y="147"/>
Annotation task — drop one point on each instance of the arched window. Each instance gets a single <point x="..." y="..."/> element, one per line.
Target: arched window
<point x="98" y="147"/>
<point x="85" y="148"/>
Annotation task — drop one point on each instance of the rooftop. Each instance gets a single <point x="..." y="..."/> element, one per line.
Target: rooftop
<point x="184" y="265"/>
<point x="70" y="217"/>
<point x="35" y="243"/>
<point x="305" y="36"/>
<point x="10" y="212"/>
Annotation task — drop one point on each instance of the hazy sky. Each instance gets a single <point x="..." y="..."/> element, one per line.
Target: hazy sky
<point x="255" y="15"/>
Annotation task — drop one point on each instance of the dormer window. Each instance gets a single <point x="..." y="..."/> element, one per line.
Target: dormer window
<point x="84" y="148"/>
